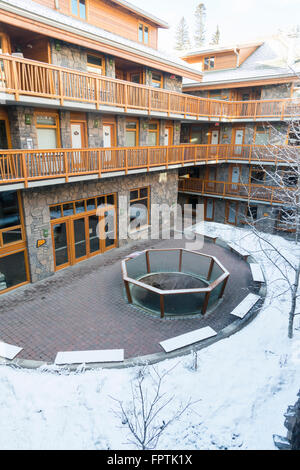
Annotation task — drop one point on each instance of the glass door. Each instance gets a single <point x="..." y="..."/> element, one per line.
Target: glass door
<point x="79" y="249"/>
<point x="61" y="241"/>
<point x="94" y="242"/>
<point x="238" y="141"/>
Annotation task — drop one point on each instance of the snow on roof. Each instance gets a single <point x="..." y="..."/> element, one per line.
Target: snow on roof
<point x="277" y="56"/>
<point x="51" y="16"/>
<point x="141" y="12"/>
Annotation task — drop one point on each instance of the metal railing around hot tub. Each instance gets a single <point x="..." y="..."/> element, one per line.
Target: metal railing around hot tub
<point x="208" y="269"/>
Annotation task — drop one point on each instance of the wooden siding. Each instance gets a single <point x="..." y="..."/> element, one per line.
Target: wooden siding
<point x="110" y="17"/>
<point x="224" y="59"/>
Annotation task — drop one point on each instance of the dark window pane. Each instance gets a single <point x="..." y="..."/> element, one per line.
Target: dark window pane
<point x="139" y="213"/>
<point x="90" y="205"/>
<point x="93" y="60"/>
<point x="94" y="240"/>
<point x="101" y="202"/>
<point x="79" y="207"/>
<point x="12" y="270"/>
<point x="111" y="200"/>
<point x="55" y="212"/>
<point x="80" y="240"/>
<point x="60" y="244"/>
<point x="68" y="209"/>
<point x="144" y="192"/>
<point x="9" y="209"/>
<point x="12" y="236"/>
<point x="134" y="195"/>
<point x="3" y="136"/>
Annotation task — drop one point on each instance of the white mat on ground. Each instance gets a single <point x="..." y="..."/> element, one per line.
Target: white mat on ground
<point x="188" y="339"/>
<point x="8" y="351"/>
<point x="257" y="273"/>
<point x="245" y="306"/>
<point x="89" y="357"/>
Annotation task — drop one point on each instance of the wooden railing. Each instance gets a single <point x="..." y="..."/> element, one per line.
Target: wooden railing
<point x="252" y="192"/>
<point x="29" y="165"/>
<point x="22" y="77"/>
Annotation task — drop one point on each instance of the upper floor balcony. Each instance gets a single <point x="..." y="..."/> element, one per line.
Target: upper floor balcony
<point x="31" y="168"/>
<point x="27" y="82"/>
<point x="237" y="191"/>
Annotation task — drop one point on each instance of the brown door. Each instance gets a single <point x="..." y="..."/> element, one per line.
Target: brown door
<point x="168" y="137"/>
<point x="231" y="212"/>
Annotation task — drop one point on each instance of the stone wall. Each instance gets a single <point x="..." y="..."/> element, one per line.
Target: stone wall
<point x="68" y="55"/>
<point x="273" y="92"/>
<point x="36" y="203"/>
<point x="23" y="134"/>
<point x="174" y="83"/>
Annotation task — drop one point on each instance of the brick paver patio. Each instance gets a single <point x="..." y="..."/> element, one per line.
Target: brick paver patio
<point x="84" y="308"/>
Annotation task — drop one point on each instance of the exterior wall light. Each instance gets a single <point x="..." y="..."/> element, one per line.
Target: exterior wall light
<point x="27" y="119"/>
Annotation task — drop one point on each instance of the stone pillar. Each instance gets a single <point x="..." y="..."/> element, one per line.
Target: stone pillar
<point x="95" y="130"/>
<point x="37" y="221"/>
<point x="173" y="82"/>
<point x="110" y="67"/>
<point x="22" y="127"/>
<point x="176" y="131"/>
<point x="65" y="129"/>
<point x="144" y="123"/>
<point x="68" y="55"/>
<point x="121" y="131"/>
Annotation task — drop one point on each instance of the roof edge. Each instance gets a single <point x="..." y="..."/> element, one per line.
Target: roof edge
<point x="143" y="13"/>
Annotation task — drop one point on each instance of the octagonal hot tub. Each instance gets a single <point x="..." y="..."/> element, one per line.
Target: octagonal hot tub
<point x="174" y="282"/>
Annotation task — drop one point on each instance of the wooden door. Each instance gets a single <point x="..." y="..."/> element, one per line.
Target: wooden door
<point x="231" y="212"/>
<point x="209" y="207"/>
<point x="235" y="176"/>
<point x="238" y="140"/>
<point x="168" y="137"/>
<point x="78" y="141"/>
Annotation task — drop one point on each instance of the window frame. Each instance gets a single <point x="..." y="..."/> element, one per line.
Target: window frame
<point x="267" y="130"/>
<point x="97" y="67"/>
<point x="78" y="10"/>
<point x="157" y="131"/>
<point x="136" y="201"/>
<point x="136" y="130"/>
<point x="144" y="26"/>
<point x="209" y="58"/>
<point x="48" y="126"/>
<point x="256" y="181"/>
<point x="159" y="82"/>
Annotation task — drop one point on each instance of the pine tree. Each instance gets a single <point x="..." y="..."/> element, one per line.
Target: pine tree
<point x="200" y="16"/>
<point x="216" y="37"/>
<point x="182" y="38"/>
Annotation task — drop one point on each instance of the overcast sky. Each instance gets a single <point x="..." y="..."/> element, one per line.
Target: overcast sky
<point x="239" y="20"/>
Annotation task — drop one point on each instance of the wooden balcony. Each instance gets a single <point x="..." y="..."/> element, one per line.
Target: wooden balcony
<point x="240" y="191"/>
<point x="64" y="165"/>
<point x="27" y="81"/>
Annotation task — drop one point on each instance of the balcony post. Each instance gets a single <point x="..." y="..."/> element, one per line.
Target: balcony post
<point x="282" y="110"/>
<point x="97" y="94"/>
<point x="149" y="100"/>
<point x="169" y="104"/>
<point x="185" y="106"/>
<point x="167" y="157"/>
<point x="182" y="156"/>
<point x="66" y="164"/>
<point x="24" y="169"/>
<point x="148" y="159"/>
<point x="126" y="97"/>
<point x="61" y="88"/>
<point x="16" y="80"/>
<point x="99" y="163"/>
<point x="126" y="162"/>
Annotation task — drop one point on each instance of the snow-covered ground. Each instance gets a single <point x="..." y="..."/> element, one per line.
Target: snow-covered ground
<point x="243" y="387"/>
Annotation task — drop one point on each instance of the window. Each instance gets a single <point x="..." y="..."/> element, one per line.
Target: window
<point x="209" y="63"/>
<point x="296" y="90"/>
<point x="289" y="178"/>
<point x="135" y="77"/>
<point x="257" y="176"/>
<point x="262" y="135"/>
<point x="157" y="80"/>
<point x="143" y="33"/>
<point x="13" y="253"/>
<point x="251" y="212"/>
<point x="47" y="126"/>
<point x="78" y="8"/>
<point x="219" y="95"/>
<point x="153" y="133"/>
<point x="294" y="139"/>
<point x="286" y="220"/>
<point x="139" y="208"/>
<point x="131" y="138"/>
<point x="96" y="64"/>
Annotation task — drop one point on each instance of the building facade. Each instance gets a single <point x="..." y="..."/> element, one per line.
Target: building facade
<point x="94" y="123"/>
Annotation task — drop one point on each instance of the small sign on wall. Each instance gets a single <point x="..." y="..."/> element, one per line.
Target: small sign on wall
<point x="29" y="142"/>
<point x="40" y="243"/>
